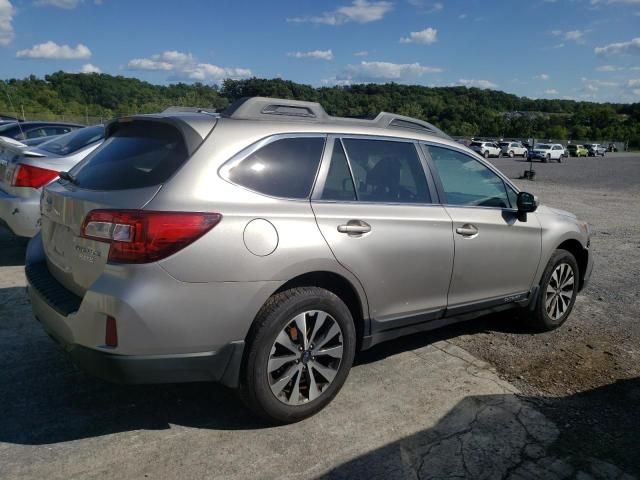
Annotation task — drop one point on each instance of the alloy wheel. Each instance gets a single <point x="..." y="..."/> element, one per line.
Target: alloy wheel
<point x="305" y="357"/>
<point x="560" y="291"/>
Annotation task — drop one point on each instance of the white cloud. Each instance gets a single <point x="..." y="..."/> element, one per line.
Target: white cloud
<point x="609" y="2"/>
<point x="90" y="68"/>
<point x="51" y="50"/>
<point x="632" y="47"/>
<point x="542" y="76"/>
<point x="608" y="68"/>
<point x="380" y="72"/>
<point x="426" y="7"/>
<point x="389" y="71"/>
<point x="362" y="53"/>
<point x="360" y="11"/>
<point x="426" y="36"/>
<point x="551" y="91"/>
<point x="165" y="61"/>
<point x="6" y="27"/>
<point x="462" y="16"/>
<point x="477" y="83"/>
<point x="66" y="4"/>
<point x="206" y="72"/>
<point x="317" y="54"/>
<point x="634" y="69"/>
<point x="571" y="35"/>
<point x="186" y="66"/>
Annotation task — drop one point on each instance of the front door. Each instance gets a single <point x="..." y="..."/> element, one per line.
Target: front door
<point x="496" y="255"/>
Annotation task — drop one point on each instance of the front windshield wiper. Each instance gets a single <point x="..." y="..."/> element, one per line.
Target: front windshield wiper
<point x="68" y="177"/>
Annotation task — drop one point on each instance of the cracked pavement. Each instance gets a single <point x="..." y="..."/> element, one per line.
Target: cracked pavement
<point x="421" y="407"/>
<point x="412" y="408"/>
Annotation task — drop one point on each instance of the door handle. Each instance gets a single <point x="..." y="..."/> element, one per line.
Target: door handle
<point x="355" y="227"/>
<point x="467" y="230"/>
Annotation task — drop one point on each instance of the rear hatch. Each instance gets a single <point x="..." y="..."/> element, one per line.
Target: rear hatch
<point x="124" y="173"/>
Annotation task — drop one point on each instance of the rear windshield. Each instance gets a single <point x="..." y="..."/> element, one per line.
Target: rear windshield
<point x="9" y="130"/>
<point x="137" y="155"/>
<point x="543" y="146"/>
<point x="74" y="141"/>
<point x="475" y="144"/>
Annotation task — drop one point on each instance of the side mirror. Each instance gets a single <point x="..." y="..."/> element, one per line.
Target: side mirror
<point x="527" y="202"/>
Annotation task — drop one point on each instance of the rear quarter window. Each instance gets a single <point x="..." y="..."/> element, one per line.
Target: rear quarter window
<point x="136" y="155"/>
<point x="284" y="168"/>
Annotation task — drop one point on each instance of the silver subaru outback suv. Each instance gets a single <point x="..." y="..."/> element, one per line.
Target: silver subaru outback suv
<point x="262" y="247"/>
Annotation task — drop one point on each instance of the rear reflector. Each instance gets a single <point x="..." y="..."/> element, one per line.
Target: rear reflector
<point x="111" y="333"/>
<point x="35" y="177"/>
<point x="140" y="236"/>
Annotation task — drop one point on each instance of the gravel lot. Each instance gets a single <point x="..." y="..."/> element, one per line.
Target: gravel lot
<point x="562" y="404"/>
<point x="600" y="343"/>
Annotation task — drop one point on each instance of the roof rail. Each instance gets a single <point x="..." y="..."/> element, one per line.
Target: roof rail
<point x="210" y="111"/>
<point x="253" y="108"/>
<point x="263" y="108"/>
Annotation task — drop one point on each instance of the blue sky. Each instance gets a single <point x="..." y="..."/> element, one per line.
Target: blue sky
<point x="582" y="49"/>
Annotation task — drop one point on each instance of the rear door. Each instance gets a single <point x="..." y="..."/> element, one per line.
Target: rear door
<point x="375" y="208"/>
<point x="496" y="255"/>
<point x="125" y="172"/>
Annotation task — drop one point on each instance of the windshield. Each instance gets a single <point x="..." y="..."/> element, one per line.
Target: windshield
<point x="74" y="141"/>
<point x="475" y="144"/>
<point x="504" y="144"/>
<point x="543" y="146"/>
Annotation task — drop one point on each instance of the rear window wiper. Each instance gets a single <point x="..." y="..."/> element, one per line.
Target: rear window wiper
<point x="68" y="177"/>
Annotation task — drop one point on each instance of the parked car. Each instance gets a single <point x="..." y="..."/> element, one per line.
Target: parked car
<point x="29" y="130"/>
<point x="486" y="149"/>
<point x="576" y="150"/>
<point x="259" y="247"/>
<point x="546" y="152"/>
<point x="612" y="147"/>
<point x="25" y="170"/>
<point x="513" y="149"/>
<point x="596" y="149"/>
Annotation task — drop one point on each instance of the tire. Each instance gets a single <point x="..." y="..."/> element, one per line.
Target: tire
<point x="543" y="317"/>
<point x="560" y="159"/>
<point x="276" y="335"/>
<point x="486" y="154"/>
<point x="546" y="159"/>
<point x="511" y="155"/>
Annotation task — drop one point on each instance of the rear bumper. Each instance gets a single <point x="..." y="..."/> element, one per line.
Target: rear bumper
<point x="168" y="331"/>
<point x="21" y="215"/>
<point x="217" y="366"/>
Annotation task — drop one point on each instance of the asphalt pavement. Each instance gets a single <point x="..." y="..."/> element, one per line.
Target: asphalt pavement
<point x="418" y="407"/>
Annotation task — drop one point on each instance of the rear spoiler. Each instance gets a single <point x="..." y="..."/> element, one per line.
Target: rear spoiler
<point x="11" y="149"/>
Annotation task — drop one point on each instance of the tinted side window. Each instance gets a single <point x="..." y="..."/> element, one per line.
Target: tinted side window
<point x="387" y="171"/>
<point x="283" y="168"/>
<point x="339" y="184"/>
<point x="466" y="181"/>
<point x="137" y="155"/>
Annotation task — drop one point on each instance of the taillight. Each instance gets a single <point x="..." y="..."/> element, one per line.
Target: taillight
<point x="35" y="177"/>
<point x="139" y="236"/>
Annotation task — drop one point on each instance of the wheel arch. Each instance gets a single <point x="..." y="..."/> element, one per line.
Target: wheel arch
<point x="581" y="255"/>
<point x="342" y="288"/>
